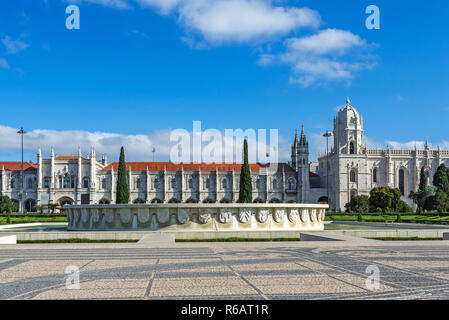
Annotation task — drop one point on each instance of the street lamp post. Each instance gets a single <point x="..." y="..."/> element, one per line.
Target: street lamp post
<point x="22" y="133"/>
<point x="327" y="135"/>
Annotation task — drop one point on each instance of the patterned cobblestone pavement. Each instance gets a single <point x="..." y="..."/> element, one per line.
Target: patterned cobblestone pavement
<point x="412" y="270"/>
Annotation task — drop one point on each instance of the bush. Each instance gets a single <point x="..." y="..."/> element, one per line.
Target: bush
<point x="358" y="204"/>
<point x="359" y="217"/>
<point x="384" y="199"/>
<point x="404" y="207"/>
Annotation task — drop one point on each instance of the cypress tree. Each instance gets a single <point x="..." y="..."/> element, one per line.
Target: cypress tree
<point x="122" y="185"/>
<point x="440" y="179"/>
<point x="422" y="180"/>
<point x="246" y="189"/>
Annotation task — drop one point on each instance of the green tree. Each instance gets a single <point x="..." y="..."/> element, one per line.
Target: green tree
<point x="403" y="207"/>
<point x="7" y="205"/>
<point x="122" y="185"/>
<point x="421" y="198"/>
<point x="358" y="204"/>
<point x="384" y="199"/>
<point x="441" y="179"/>
<point x="246" y="188"/>
<point x="422" y="179"/>
<point x="438" y="202"/>
<point x="52" y="207"/>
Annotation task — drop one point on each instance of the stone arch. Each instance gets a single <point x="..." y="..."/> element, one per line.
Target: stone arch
<point x="191" y="200"/>
<point x="323" y="199"/>
<point x="353" y="175"/>
<point x="258" y="200"/>
<point x="208" y="200"/>
<point x="138" y="200"/>
<point x="157" y="200"/>
<point x="275" y="200"/>
<point x="174" y="200"/>
<point x="351" y="148"/>
<point x="375" y="175"/>
<point x="30" y="205"/>
<point x="225" y="200"/>
<point x="65" y="200"/>
<point x="104" y="201"/>
<point x="403" y="178"/>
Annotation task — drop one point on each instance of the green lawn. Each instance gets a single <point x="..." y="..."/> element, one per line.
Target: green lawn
<point x="390" y="217"/>
<point x="25" y="219"/>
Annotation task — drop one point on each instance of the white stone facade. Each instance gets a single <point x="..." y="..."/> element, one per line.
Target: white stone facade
<point x="355" y="170"/>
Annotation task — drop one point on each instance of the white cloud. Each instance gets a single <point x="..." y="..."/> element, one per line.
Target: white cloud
<point x="327" y="41"/>
<point x="162" y="6"/>
<point x="14" y="46"/>
<point x="138" y="147"/>
<point x="329" y="55"/>
<point x="243" y="21"/>
<point x="4" y="64"/>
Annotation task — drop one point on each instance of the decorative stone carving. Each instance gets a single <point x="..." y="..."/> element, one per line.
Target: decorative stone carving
<point x="109" y="215"/>
<point x="278" y="215"/>
<point x="293" y="215"/>
<point x="143" y="215"/>
<point x="77" y="216"/>
<point x="204" y="217"/>
<point x="262" y="215"/>
<point x="183" y="216"/>
<point x="163" y="215"/>
<point x="224" y="216"/>
<point x="84" y="216"/>
<point x="304" y="215"/>
<point x="244" y="215"/>
<point x="176" y="217"/>
<point x="313" y="215"/>
<point x="95" y="216"/>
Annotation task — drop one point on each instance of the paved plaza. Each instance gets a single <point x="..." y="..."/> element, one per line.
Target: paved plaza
<point x="275" y="270"/>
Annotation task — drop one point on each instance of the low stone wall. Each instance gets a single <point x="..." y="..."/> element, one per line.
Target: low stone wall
<point x="197" y="217"/>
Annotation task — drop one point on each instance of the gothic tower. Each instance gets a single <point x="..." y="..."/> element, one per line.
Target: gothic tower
<point x="300" y="162"/>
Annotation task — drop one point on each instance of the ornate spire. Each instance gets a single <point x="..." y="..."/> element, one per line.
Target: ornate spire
<point x="302" y="141"/>
<point x="427" y="146"/>
<point x="296" y="141"/>
<point x="348" y="101"/>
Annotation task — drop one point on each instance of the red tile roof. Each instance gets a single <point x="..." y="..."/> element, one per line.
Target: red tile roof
<point x="170" y="166"/>
<point x="16" y="166"/>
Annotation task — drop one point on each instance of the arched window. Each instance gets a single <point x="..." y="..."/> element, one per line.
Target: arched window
<point x="291" y="184"/>
<point x="103" y="183"/>
<point x="85" y="182"/>
<point x="13" y="183"/>
<point x="46" y="182"/>
<point x="156" y="183"/>
<point x="353" y="176"/>
<point x="351" y="148"/>
<point x="275" y="184"/>
<point x="374" y="175"/>
<point x="66" y="182"/>
<point x="224" y="183"/>
<point x="30" y="183"/>
<point x="207" y="183"/>
<point x="138" y="183"/>
<point x="173" y="183"/>
<point x="258" y="183"/>
<point x="190" y="183"/>
<point x="402" y="181"/>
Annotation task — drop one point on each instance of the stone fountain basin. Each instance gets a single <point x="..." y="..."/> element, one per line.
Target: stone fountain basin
<point x="197" y="217"/>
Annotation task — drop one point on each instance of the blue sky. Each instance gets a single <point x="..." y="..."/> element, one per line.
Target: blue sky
<point x="138" y="68"/>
